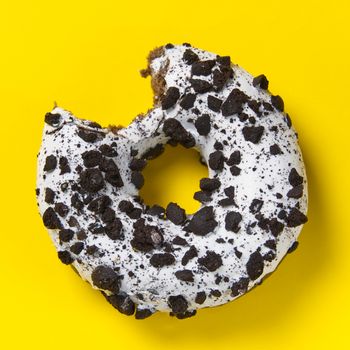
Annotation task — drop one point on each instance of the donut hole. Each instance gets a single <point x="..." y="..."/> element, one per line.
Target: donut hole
<point x="174" y="177"/>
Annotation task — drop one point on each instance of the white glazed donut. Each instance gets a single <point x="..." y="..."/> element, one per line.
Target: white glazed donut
<point x="150" y="259"/>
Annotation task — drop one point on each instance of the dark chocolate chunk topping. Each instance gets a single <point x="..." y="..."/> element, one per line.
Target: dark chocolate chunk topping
<point x="275" y="150"/>
<point x="170" y="98"/>
<point x="207" y="184"/>
<point x="253" y="133"/>
<point x="202" y="196"/>
<point x="218" y="146"/>
<point x="65" y="235"/>
<point x="296" y="192"/>
<point x="108" y="151"/>
<point x="200" y="86"/>
<point x="99" y="204"/>
<point x="50" y="163"/>
<point x="162" y="259"/>
<point x="179" y="241"/>
<point x="123" y="303"/>
<point x="202" y="222"/>
<point x="216" y="160"/>
<point x="294" y="178"/>
<point x="288" y="120"/>
<point x="108" y="215"/>
<point x="50" y="219"/>
<point x="65" y="257"/>
<point x="91" y="158"/>
<point x="145" y="237"/>
<point x="235" y="158"/>
<point x="202" y="124"/>
<point x="137" y="179"/>
<point x="91" y="180"/>
<point x="235" y="170"/>
<point x="137" y="164"/>
<point x="211" y="261"/>
<point x="61" y="209"/>
<point x="178" y="304"/>
<point x="293" y="247"/>
<point x="52" y="119"/>
<point x="214" y="103"/>
<point x="175" y="214"/>
<point x="271" y="243"/>
<point x="49" y="195"/>
<point x="256" y="205"/>
<point x="178" y="133"/>
<point x="64" y="166"/>
<point x="261" y="82"/>
<point x="113" y="229"/>
<point x="156" y="210"/>
<point x="202" y="67"/>
<point x="232" y="221"/>
<point x="190" y="254"/>
<point x="234" y="103"/>
<point x="240" y="286"/>
<point x="169" y="46"/>
<point x="230" y="191"/>
<point x="76" y="202"/>
<point x="277" y="102"/>
<point x="184" y="275"/>
<point x="141" y="314"/>
<point x="255" y="265"/>
<point x="190" y="57"/>
<point x="224" y="60"/>
<point x="226" y="202"/>
<point x="295" y="218"/>
<point x="276" y="227"/>
<point x="187" y="101"/>
<point x="200" y="298"/>
<point x="221" y="76"/>
<point x="104" y="277"/>
<point x="215" y="293"/>
<point x="153" y="152"/>
<point x="90" y="137"/>
<point x="77" y="248"/>
<point x="186" y="314"/>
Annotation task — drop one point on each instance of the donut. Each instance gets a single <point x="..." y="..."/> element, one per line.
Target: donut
<point x="146" y="259"/>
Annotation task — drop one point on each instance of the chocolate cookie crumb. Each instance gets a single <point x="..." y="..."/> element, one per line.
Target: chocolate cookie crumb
<point x="200" y="298"/>
<point x="202" y="222"/>
<point x="50" y="163"/>
<point x="216" y="160"/>
<point x="52" y="119"/>
<point x="65" y="257"/>
<point x="185" y="275"/>
<point x="277" y="102"/>
<point x="159" y="260"/>
<point x="105" y="277"/>
<point x="255" y="265"/>
<point x="211" y="261"/>
<point x="170" y="98"/>
<point x="253" y="133"/>
<point x="294" y="178"/>
<point x="175" y="214"/>
<point x="232" y="221"/>
<point x="261" y="82"/>
<point x="187" y="101"/>
<point x="202" y="124"/>
<point x="177" y="303"/>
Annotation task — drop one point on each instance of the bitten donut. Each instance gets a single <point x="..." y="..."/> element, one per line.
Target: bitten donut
<point x="147" y="259"/>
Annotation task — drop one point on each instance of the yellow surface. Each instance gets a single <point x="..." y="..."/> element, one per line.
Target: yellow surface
<point x="85" y="55"/>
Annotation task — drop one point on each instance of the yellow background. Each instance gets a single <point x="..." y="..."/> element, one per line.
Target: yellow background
<point x="86" y="56"/>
